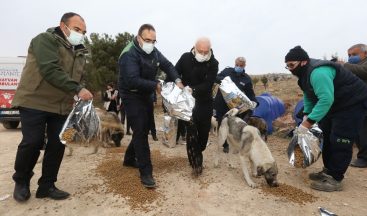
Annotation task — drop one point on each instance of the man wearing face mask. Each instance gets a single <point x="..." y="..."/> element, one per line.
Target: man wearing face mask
<point x="139" y="63"/>
<point x="198" y="70"/>
<point x="52" y="75"/>
<point x="243" y="82"/>
<point x="336" y="99"/>
<point x="357" y="64"/>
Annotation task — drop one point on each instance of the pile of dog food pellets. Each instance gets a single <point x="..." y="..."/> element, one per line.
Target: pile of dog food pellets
<point x="289" y="192"/>
<point x="125" y="182"/>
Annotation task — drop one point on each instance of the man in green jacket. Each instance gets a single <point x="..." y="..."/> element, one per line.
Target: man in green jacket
<point x="357" y="64"/>
<point x="336" y="99"/>
<point x="52" y="75"/>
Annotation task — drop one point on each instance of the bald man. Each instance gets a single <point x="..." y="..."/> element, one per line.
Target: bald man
<point x="198" y="70"/>
<point x="243" y="82"/>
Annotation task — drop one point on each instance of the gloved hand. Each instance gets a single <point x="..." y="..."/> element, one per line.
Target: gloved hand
<point x="218" y="81"/>
<point x="302" y="129"/>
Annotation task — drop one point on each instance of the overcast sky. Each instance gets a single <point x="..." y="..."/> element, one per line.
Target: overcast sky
<point x="261" y="31"/>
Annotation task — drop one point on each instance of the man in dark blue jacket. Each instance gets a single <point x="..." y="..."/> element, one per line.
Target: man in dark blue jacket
<point x="243" y="82"/>
<point x="138" y="64"/>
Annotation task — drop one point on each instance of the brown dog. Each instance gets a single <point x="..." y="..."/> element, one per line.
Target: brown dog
<point x="260" y="124"/>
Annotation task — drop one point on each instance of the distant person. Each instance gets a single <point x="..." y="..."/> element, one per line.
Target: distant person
<point x="139" y="63"/>
<point x="357" y="64"/>
<point x="243" y="81"/>
<point x="51" y="77"/>
<point x="336" y="99"/>
<point x="111" y="98"/>
<point x="198" y="69"/>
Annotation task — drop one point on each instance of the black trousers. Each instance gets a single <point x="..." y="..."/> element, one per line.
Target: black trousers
<point x="361" y="141"/>
<point x="152" y="122"/>
<point x="340" y="130"/>
<point x="34" y="124"/>
<point x="138" y="113"/>
<point x="123" y="116"/>
<point x="202" y="114"/>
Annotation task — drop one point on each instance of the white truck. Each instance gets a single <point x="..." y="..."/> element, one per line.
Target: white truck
<point x="10" y="72"/>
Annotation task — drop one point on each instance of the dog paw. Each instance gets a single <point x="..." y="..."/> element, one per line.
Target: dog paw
<point x="252" y="184"/>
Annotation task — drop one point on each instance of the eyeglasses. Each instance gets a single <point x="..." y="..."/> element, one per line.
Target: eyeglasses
<point x="148" y="40"/>
<point x="292" y="65"/>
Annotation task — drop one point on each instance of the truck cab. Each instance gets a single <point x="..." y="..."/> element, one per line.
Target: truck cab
<point x="10" y="72"/>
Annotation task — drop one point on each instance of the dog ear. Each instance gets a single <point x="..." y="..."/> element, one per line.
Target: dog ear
<point x="260" y="171"/>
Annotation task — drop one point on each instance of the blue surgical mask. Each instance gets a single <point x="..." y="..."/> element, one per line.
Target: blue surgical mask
<point x="354" y="59"/>
<point x="238" y="69"/>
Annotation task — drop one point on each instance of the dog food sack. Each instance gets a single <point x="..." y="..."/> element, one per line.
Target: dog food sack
<point x="234" y="97"/>
<point x="305" y="149"/>
<point x="169" y="131"/>
<point x="83" y="121"/>
<point x="178" y="102"/>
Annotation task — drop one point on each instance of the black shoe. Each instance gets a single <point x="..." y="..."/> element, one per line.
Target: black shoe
<point x="133" y="164"/>
<point x="359" y="162"/>
<point x="148" y="181"/>
<point x="154" y="137"/>
<point x="21" y="192"/>
<point x="51" y="192"/>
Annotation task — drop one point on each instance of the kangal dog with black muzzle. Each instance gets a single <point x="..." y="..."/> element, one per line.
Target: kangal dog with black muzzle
<point x="246" y="140"/>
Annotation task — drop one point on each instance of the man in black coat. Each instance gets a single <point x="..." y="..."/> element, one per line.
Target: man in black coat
<point x="139" y="63"/>
<point x="198" y="70"/>
<point x="243" y="82"/>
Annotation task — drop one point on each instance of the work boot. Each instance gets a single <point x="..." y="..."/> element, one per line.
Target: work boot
<point x="155" y="137"/>
<point x="148" y="181"/>
<point x="21" y="192"/>
<point x="51" y="192"/>
<point x="327" y="184"/>
<point x="359" y="162"/>
<point x="317" y="176"/>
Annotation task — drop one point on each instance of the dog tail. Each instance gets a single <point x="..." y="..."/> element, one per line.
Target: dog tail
<point x="231" y="113"/>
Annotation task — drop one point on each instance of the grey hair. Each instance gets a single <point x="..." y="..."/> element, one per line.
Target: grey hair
<point x="204" y="40"/>
<point x="362" y="47"/>
<point x="240" y="59"/>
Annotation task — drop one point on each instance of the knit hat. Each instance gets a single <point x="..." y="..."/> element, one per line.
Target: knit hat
<point x="297" y="54"/>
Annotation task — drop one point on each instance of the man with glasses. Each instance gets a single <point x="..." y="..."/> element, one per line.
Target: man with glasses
<point x="357" y="64"/>
<point x="139" y="63"/>
<point x="198" y="70"/>
<point x="243" y="82"/>
<point x="336" y="99"/>
<point x="51" y="77"/>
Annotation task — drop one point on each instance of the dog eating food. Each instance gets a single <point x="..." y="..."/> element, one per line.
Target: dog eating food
<point x="246" y="140"/>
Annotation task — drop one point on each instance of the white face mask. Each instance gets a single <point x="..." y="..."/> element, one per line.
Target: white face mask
<point x="201" y="58"/>
<point x="75" y="38"/>
<point x="148" y="47"/>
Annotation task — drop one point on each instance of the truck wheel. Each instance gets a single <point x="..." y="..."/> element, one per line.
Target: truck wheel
<point x="10" y="124"/>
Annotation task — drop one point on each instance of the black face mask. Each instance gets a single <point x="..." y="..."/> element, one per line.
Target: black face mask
<point x="298" y="70"/>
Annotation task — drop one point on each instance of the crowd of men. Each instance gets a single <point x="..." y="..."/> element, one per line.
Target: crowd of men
<point x="54" y="72"/>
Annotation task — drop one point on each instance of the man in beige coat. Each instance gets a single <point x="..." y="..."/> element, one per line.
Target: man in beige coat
<point x="52" y="75"/>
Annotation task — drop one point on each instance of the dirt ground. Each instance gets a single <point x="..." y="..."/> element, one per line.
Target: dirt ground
<point x="219" y="191"/>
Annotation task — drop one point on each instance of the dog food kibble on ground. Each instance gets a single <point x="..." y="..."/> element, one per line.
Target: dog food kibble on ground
<point x="298" y="157"/>
<point x="289" y="192"/>
<point x="125" y="181"/>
